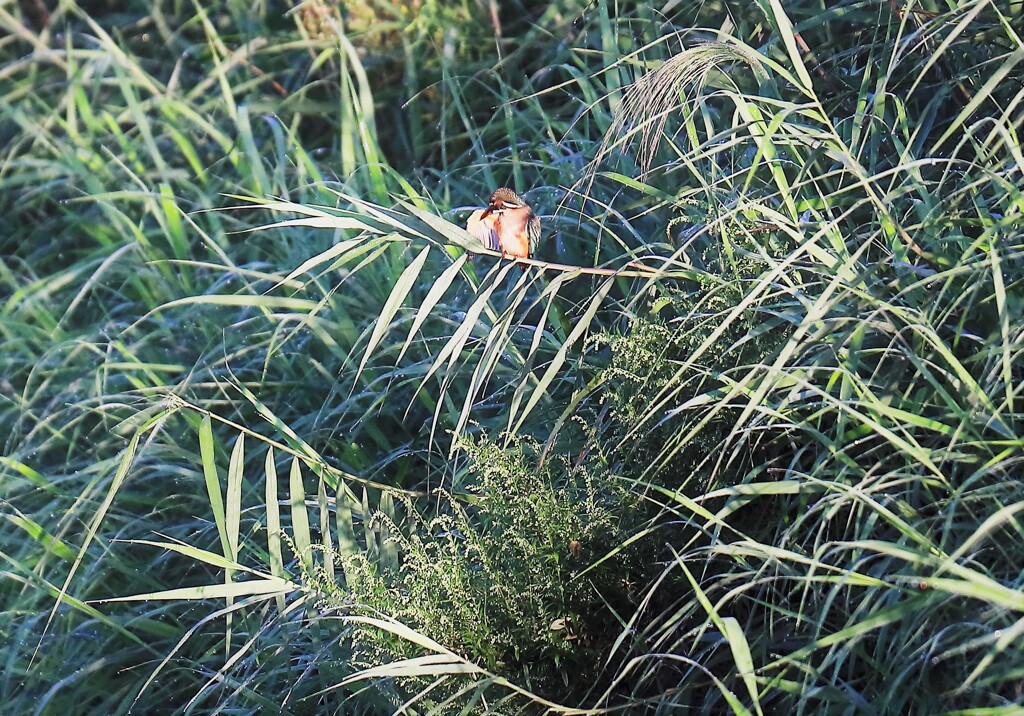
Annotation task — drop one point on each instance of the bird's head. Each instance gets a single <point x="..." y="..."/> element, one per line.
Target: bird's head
<point x="505" y="199"/>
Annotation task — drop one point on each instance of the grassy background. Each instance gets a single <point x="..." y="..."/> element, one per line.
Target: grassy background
<point x="277" y="435"/>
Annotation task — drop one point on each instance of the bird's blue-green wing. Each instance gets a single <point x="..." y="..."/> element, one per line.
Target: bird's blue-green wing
<point x="533" y="229"/>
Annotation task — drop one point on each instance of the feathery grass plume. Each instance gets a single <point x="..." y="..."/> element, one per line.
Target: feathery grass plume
<point x="643" y="114"/>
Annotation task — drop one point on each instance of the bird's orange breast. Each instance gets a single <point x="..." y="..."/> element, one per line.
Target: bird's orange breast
<point x="517" y="244"/>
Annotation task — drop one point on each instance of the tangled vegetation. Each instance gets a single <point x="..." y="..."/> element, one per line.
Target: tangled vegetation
<point x="278" y="435"/>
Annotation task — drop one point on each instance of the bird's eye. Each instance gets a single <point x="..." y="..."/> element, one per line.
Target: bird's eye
<point x="509" y="205"/>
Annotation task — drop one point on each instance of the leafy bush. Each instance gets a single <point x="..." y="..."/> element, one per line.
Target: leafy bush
<point x="499" y="574"/>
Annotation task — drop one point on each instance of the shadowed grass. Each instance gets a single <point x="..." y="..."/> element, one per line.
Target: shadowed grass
<point x="773" y="337"/>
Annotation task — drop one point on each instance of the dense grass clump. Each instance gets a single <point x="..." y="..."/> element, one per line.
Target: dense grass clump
<point x="744" y="437"/>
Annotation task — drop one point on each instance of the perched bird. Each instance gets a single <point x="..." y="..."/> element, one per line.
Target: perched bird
<point x="508" y="225"/>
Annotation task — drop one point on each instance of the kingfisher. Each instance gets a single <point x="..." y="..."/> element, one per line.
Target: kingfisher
<point x="508" y="225"/>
